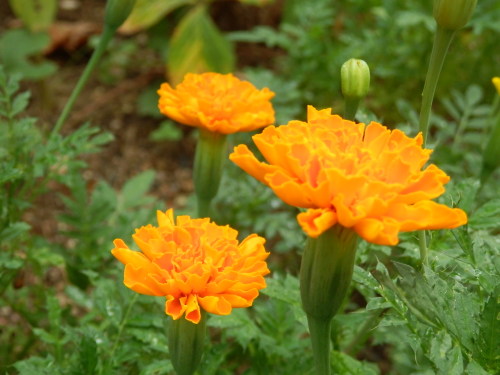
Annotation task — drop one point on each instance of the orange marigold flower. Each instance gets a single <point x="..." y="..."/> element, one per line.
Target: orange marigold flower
<point x="194" y="263"/>
<point x="364" y="177"/>
<point x="217" y="102"/>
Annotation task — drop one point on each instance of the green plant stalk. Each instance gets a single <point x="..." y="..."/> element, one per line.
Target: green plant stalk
<point x="208" y="167"/>
<point x="105" y="38"/>
<point x="442" y="41"/>
<point x="185" y="344"/>
<point x="320" y="340"/>
<point x="351" y="107"/>
<point x="325" y="277"/>
<point x="120" y="330"/>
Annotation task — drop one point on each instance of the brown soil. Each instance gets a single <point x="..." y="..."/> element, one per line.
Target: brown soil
<point x="113" y="107"/>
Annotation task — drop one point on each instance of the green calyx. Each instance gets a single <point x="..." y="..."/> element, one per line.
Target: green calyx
<point x="325" y="276"/>
<point x="326" y="271"/>
<point x="185" y="344"/>
<point x="208" y="166"/>
<point x="453" y="14"/>
<point x="117" y="11"/>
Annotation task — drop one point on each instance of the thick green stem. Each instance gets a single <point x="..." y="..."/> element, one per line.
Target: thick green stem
<point x="185" y="344"/>
<point x="351" y="107"/>
<point x="320" y="339"/>
<point x="106" y="37"/>
<point x="422" y="244"/>
<point x="208" y="167"/>
<point x="442" y="41"/>
<point x="325" y="277"/>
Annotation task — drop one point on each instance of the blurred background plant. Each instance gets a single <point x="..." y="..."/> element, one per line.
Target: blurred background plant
<point x="63" y="306"/>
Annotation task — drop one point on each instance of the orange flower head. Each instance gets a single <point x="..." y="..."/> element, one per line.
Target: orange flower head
<point x="195" y="264"/>
<point x="364" y="177"/>
<point x="218" y="103"/>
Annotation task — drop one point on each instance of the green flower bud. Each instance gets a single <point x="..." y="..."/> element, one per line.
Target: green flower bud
<point x="117" y="11"/>
<point x="453" y="14"/>
<point x="355" y="78"/>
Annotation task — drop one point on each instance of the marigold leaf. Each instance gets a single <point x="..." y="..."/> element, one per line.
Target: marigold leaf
<point x="133" y="191"/>
<point x="488" y="339"/>
<point x="446" y="355"/>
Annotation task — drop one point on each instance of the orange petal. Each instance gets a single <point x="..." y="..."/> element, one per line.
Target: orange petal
<point x="315" y="221"/>
<point x="215" y="305"/>
<point x="246" y="160"/>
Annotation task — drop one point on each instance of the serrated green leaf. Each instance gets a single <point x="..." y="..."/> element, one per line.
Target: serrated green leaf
<point x="16" y="47"/>
<point x="88" y="356"/>
<point x="446" y="356"/>
<point x="167" y="131"/>
<point x="486" y="216"/>
<point x="45" y="336"/>
<point x="441" y="304"/>
<point x="38" y="365"/>
<point x="148" y="12"/>
<point x="239" y="325"/>
<point x="134" y="189"/>
<point x="488" y="340"/>
<point x="473" y="368"/>
<point x="198" y="46"/>
<point x="14" y="230"/>
<point x="159" y="367"/>
<point x="147" y="103"/>
<point x="20" y="103"/>
<point x="286" y="289"/>
<point x="346" y="365"/>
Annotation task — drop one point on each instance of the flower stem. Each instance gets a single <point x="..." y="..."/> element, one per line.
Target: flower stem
<point x="208" y="166"/>
<point x="422" y="244"/>
<point x="106" y="37"/>
<point x="351" y="107"/>
<point x="320" y="339"/>
<point x="442" y="41"/>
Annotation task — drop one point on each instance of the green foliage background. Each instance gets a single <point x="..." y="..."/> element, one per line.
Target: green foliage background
<point x="399" y="318"/>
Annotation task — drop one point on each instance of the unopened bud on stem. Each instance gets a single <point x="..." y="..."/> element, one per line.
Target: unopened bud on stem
<point x="453" y="14"/>
<point x="117" y="11"/>
<point x="355" y="78"/>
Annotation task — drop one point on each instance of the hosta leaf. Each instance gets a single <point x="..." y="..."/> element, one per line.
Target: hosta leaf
<point x="148" y="12"/>
<point x="36" y="15"/>
<point x="198" y="46"/>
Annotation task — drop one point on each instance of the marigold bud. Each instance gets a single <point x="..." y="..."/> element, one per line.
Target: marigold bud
<point x="453" y="14"/>
<point x="355" y="78"/>
<point x="117" y="11"/>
